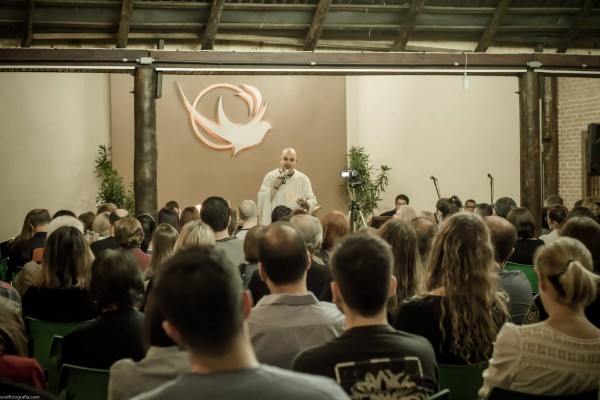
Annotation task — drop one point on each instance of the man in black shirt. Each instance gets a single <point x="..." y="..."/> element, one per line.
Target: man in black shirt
<point x="401" y="200"/>
<point x="370" y="357"/>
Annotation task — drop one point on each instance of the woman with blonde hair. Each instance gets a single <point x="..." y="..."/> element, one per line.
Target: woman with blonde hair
<point x="60" y="291"/>
<point x="101" y="226"/>
<point x="559" y="356"/>
<point x="194" y="233"/>
<point x="335" y="227"/>
<point x="163" y="243"/>
<point x="407" y="262"/>
<point x="462" y="310"/>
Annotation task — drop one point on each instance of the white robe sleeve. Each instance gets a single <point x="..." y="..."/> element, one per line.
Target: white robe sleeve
<point x="264" y="200"/>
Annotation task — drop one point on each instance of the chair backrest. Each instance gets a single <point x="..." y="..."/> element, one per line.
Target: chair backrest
<point x="41" y="334"/>
<point x="505" y="394"/>
<point x="463" y="381"/>
<point x="441" y="395"/>
<point x="4" y="270"/>
<point x="54" y="363"/>
<point x="76" y="382"/>
<point x="529" y="272"/>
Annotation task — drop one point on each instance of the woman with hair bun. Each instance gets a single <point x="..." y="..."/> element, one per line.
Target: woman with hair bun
<point x="559" y="356"/>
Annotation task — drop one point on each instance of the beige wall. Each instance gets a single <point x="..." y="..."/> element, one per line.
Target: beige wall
<point x="428" y="125"/>
<point x="307" y="113"/>
<point x="578" y="106"/>
<point x="51" y="126"/>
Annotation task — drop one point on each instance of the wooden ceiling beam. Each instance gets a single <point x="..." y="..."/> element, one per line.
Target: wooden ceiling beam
<point x="124" y="23"/>
<point x="316" y="26"/>
<point x="408" y="25"/>
<point x="488" y="35"/>
<point x="572" y="32"/>
<point x="212" y="26"/>
<point x="28" y="25"/>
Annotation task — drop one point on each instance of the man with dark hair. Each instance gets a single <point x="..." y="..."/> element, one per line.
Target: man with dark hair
<point x="280" y="212"/>
<point x="215" y="213"/>
<point x="169" y="215"/>
<point x="174" y="205"/>
<point x="553" y="200"/>
<point x="22" y="252"/>
<point x="470" y="205"/>
<point x="504" y="236"/>
<point x="401" y="200"/>
<point x="290" y="319"/>
<point x="362" y="283"/>
<point x="205" y="309"/>
<point x="425" y="230"/>
<point x="109" y="243"/>
<point x="502" y="206"/>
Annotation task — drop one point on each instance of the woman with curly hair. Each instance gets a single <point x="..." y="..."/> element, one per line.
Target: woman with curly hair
<point x="462" y="310"/>
<point x="407" y="263"/>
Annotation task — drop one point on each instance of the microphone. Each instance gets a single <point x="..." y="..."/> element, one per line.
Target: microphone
<point x="285" y="177"/>
<point x="432" y="178"/>
<point x="491" y="177"/>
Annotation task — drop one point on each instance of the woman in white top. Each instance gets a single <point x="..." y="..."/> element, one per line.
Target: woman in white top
<point x="561" y="355"/>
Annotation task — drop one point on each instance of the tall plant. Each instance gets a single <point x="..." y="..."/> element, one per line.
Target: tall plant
<point x="372" y="181"/>
<point x="112" y="189"/>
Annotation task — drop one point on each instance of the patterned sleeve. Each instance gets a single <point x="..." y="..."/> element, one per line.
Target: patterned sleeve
<point x="506" y="356"/>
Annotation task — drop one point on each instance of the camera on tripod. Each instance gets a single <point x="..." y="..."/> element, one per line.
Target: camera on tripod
<point x="352" y="176"/>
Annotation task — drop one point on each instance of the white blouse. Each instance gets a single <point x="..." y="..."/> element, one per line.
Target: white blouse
<point x="538" y="359"/>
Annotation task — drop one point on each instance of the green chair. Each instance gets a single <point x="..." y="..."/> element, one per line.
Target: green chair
<point x="4" y="270"/>
<point x="463" y="381"/>
<point x="441" y="395"/>
<point x="75" y="383"/>
<point x="529" y="272"/>
<point x="41" y="334"/>
<point x="505" y="394"/>
<point x="54" y="363"/>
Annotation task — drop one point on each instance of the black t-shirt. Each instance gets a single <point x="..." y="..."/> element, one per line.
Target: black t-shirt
<point x="58" y="305"/>
<point x="377" y="357"/>
<point x="524" y="251"/>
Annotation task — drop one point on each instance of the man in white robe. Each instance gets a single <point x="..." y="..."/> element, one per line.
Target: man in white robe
<point x="285" y="186"/>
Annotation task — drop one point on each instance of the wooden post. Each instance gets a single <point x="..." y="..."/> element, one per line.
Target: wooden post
<point x="531" y="166"/>
<point x="550" y="136"/>
<point x="145" y="152"/>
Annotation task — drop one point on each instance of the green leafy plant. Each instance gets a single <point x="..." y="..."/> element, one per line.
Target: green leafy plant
<point x="112" y="189"/>
<point x="372" y="181"/>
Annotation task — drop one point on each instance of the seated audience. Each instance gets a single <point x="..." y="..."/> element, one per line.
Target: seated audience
<point x="194" y="233"/>
<point x="116" y="287"/>
<point x="335" y="227"/>
<point x="251" y="240"/>
<point x="526" y="244"/>
<point x="13" y="338"/>
<point x="447" y="206"/>
<point x="470" y="205"/>
<point x="188" y="214"/>
<point x="362" y="282"/>
<point x="209" y="322"/>
<point x="101" y="226"/>
<point x="503" y="206"/>
<point x="290" y="319"/>
<point x="248" y="216"/>
<point x="59" y="293"/>
<point x="559" y="356"/>
<point x="163" y="244"/>
<point x="405" y="213"/>
<point x="553" y="200"/>
<point x="233" y="223"/>
<point x="425" y="230"/>
<point x="130" y="235"/>
<point x="215" y="213"/>
<point x="110" y="242"/>
<point x="173" y="205"/>
<point x="21" y="370"/>
<point x="556" y="217"/>
<point x="33" y="236"/>
<point x="318" y="275"/>
<point x="169" y="215"/>
<point x="461" y="311"/>
<point x="164" y="360"/>
<point x="87" y="219"/>
<point x="407" y="268"/>
<point x="106" y="207"/>
<point x="280" y="212"/>
<point x="484" y="209"/>
<point x="148" y="227"/>
<point x="504" y="236"/>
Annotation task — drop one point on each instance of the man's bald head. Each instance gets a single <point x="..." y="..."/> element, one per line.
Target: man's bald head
<point x="282" y="254"/>
<point x="288" y="151"/>
<point x="288" y="160"/>
<point x="503" y="235"/>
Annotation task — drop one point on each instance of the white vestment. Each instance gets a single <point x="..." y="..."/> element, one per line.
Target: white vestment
<point x="296" y="187"/>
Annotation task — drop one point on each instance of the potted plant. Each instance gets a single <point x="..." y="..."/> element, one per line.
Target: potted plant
<point x="365" y="184"/>
<point x="112" y="189"/>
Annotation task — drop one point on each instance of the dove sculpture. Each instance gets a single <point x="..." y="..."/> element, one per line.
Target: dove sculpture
<point x="231" y="135"/>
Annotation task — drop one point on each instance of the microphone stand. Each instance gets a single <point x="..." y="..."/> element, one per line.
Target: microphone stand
<point x="437" y="188"/>
<point x="491" y="188"/>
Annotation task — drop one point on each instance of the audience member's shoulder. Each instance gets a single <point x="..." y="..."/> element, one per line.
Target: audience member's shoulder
<point x="304" y="386"/>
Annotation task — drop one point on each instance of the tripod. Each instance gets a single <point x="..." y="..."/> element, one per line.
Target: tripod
<point x="354" y="211"/>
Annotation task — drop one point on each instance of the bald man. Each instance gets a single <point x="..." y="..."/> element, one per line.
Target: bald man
<point x="285" y="186"/>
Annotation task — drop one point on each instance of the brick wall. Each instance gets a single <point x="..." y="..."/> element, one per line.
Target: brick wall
<point x="578" y="106"/>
